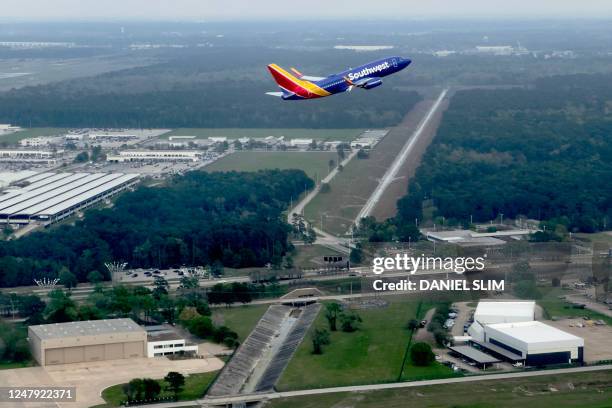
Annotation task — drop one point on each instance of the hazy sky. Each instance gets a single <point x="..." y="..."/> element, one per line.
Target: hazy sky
<point x="298" y="9"/>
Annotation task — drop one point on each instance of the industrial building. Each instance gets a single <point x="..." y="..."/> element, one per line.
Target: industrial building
<point x="467" y="238"/>
<point x="164" y="341"/>
<point x="28" y="156"/>
<point x="92" y="340"/>
<point x="50" y="197"/>
<point x="508" y="330"/>
<point x="301" y="143"/>
<point x="154" y="155"/>
<point x="368" y="139"/>
<point x="111" y="137"/>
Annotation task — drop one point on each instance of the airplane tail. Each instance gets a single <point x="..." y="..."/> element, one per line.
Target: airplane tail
<point x="284" y="79"/>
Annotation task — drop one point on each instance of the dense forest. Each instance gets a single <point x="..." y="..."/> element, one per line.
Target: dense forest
<point x="543" y="152"/>
<point x="198" y="219"/>
<point x="212" y="88"/>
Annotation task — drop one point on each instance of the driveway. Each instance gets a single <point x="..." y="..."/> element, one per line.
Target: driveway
<point x="463" y="315"/>
<point x="93" y="377"/>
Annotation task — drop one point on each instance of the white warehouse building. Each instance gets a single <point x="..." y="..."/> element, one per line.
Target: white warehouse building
<point x="154" y="155"/>
<point x="163" y="341"/>
<point x="508" y="330"/>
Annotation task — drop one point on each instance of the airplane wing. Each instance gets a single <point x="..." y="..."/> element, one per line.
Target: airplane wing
<point x="306" y="77"/>
<point x="365" y="83"/>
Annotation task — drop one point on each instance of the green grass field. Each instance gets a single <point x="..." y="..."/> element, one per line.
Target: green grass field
<point x="234" y="133"/>
<point x="373" y="354"/>
<point x="315" y="164"/>
<point x="585" y="390"/>
<point x="13" y="138"/>
<point x="195" y="386"/>
<point x="241" y="319"/>
<point x="558" y="308"/>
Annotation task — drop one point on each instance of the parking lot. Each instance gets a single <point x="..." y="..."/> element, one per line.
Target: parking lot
<point x="91" y="378"/>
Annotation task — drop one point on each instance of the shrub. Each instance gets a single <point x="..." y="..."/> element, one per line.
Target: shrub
<point x="421" y="354"/>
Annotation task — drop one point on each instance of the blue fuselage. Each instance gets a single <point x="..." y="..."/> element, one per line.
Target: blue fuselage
<point x="376" y="69"/>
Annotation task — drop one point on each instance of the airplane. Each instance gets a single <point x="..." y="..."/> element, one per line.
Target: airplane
<point x="297" y="86"/>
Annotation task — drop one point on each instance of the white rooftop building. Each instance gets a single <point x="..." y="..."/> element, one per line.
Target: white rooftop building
<point x="300" y="143"/>
<point x="508" y="330"/>
<point x="154" y="155"/>
<point x="490" y="312"/>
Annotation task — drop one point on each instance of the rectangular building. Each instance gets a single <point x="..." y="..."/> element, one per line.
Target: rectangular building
<point x="91" y="340"/>
<point x="154" y="155"/>
<point x="537" y="343"/>
<point x="58" y="195"/>
<point x="164" y="342"/>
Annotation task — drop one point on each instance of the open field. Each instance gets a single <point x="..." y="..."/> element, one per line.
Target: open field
<point x="588" y="390"/>
<point x="240" y="319"/>
<point x="195" y="386"/>
<point x="372" y="354"/>
<point x="604" y="236"/>
<point x="555" y="307"/>
<point x="234" y="133"/>
<point x="351" y="188"/>
<point x="315" y="164"/>
<point x="15" y="137"/>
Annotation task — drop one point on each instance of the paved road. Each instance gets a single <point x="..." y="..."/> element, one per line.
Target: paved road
<point x="360" y="388"/>
<point x="590" y="304"/>
<point x="399" y="160"/>
<point x="299" y="207"/>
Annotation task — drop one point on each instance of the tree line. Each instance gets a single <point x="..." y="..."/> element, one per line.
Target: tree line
<point x="198" y="219"/>
<point x="543" y="153"/>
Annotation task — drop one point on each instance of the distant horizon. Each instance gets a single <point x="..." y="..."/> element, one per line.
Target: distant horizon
<point x="275" y="10"/>
<point x="331" y="19"/>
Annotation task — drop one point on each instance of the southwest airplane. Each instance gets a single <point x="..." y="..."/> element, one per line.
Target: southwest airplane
<point x="368" y="76"/>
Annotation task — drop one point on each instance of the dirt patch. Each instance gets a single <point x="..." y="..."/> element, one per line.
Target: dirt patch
<point x="597" y="339"/>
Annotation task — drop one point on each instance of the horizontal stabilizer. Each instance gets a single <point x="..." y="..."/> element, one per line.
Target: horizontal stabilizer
<point x="306" y="77"/>
<point x="277" y="94"/>
<point x="312" y="78"/>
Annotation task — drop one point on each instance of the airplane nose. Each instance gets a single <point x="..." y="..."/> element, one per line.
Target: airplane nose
<point x="405" y="62"/>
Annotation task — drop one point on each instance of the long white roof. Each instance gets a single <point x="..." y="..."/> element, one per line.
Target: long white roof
<point x="489" y="312"/>
<point x="59" y="192"/>
<point x="534" y="332"/>
<point x="32" y="197"/>
<point x="50" y="211"/>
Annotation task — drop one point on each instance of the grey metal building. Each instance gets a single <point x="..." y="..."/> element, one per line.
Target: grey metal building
<point x="91" y="340"/>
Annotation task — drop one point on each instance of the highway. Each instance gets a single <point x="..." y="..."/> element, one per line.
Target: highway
<point x="237" y="399"/>
<point x="399" y="160"/>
